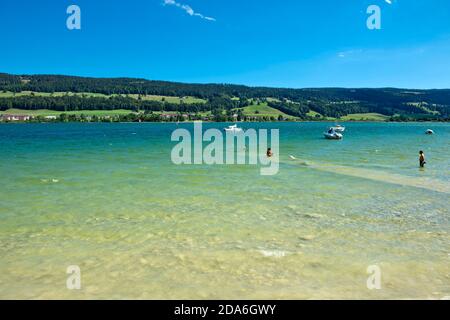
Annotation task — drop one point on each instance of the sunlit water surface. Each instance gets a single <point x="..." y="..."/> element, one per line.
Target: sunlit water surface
<point x="106" y="197"/>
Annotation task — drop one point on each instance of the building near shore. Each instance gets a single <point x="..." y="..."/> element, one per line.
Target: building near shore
<point x="14" y="117"/>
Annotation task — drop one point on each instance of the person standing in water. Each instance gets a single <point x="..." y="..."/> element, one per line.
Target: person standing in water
<point x="422" y="159"/>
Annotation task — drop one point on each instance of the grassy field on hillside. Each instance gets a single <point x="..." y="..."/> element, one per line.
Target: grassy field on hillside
<point x="176" y="100"/>
<point x="169" y="99"/>
<point x="314" y="114"/>
<point x="45" y="112"/>
<point x="365" y="117"/>
<point x="263" y="110"/>
<point x="9" y="94"/>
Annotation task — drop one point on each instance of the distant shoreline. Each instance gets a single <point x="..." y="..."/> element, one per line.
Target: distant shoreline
<point x="224" y="122"/>
<point x="129" y="116"/>
<point x="129" y="100"/>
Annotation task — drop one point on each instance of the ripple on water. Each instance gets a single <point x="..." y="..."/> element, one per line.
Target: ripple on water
<point x="127" y="216"/>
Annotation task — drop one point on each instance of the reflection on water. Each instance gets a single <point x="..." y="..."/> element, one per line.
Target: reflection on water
<point x="107" y="198"/>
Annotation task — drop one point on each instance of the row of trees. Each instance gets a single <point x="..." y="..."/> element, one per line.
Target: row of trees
<point x="54" y="83"/>
<point x="78" y="103"/>
<point x="148" y="117"/>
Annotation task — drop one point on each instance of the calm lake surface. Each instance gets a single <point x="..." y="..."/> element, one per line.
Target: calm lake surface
<point x="107" y="197"/>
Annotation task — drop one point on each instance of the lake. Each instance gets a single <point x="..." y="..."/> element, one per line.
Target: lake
<point x="107" y="198"/>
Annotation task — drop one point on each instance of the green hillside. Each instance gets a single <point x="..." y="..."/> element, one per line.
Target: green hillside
<point x="263" y="110"/>
<point x="365" y="117"/>
<point x="68" y="93"/>
<point x="169" y="99"/>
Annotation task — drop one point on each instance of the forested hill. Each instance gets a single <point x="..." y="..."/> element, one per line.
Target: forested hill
<point x="129" y="93"/>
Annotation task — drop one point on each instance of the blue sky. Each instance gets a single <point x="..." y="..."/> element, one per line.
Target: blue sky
<point x="291" y="43"/>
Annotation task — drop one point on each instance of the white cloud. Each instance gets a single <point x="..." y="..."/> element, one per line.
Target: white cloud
<point x="187" y="9"/>
<point x="348" y="53"/>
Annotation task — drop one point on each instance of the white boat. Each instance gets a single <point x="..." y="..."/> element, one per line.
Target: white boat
<point x="338" y="128"/>
<point x="429" y="131"/>
<point x="233" y="128"/>
<point x="333" y="135"/>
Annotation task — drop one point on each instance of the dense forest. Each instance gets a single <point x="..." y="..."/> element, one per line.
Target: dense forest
<point x="328" y="102"/>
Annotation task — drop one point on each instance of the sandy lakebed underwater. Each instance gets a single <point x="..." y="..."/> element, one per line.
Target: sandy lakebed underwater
<point x="107" y="198"/>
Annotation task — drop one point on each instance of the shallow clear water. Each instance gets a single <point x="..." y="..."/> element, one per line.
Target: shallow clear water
<point x="106" y="197"/>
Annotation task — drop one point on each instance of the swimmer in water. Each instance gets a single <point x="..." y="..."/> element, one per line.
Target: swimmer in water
<point x="269" y="153"/>
<point x="422" y="161"/>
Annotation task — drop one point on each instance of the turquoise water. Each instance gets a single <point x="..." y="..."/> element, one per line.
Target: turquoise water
<point x="106" y="197"/>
